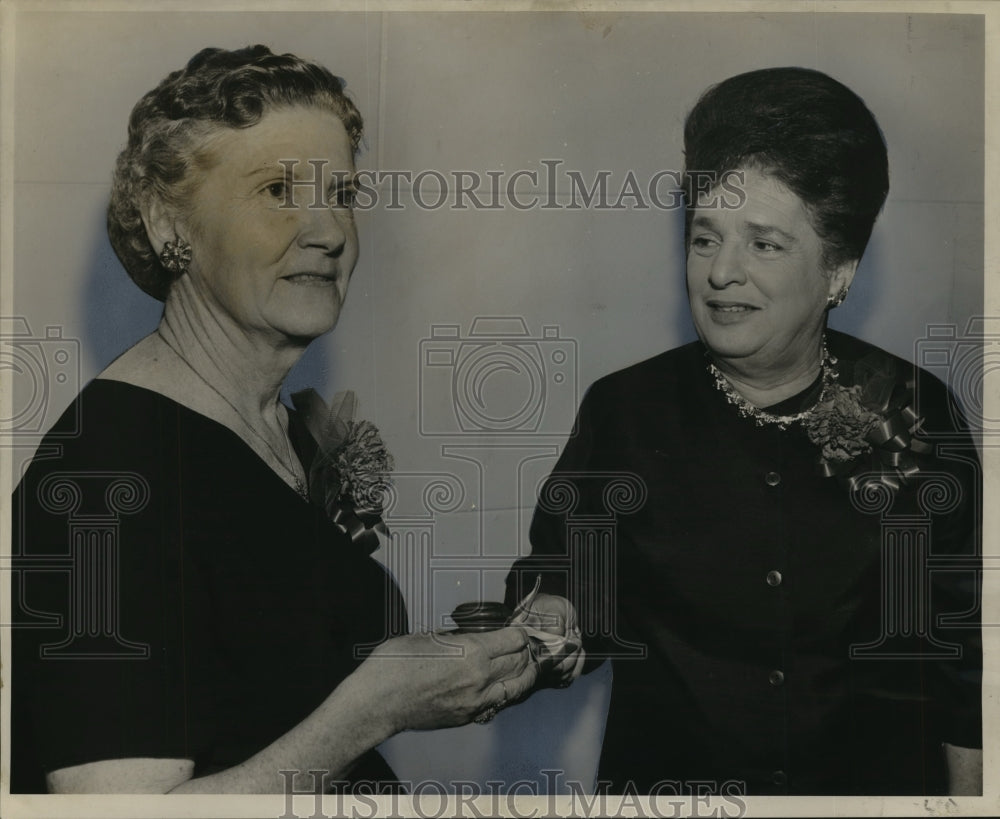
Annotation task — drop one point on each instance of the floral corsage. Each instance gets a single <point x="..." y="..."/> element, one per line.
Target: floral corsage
<point x="349" y="476"/>
<point x="868" y="428"/>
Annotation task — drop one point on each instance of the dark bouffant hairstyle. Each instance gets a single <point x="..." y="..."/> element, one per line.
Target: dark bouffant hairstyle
<point x="167" y="128"/>
<point x="806" y="130"/>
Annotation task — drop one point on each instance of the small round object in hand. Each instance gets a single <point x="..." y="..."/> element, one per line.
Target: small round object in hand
<point x="480" y="616"/>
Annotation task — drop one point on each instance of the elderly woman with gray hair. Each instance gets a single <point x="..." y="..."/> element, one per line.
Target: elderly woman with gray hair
<point x="253" y="631"/>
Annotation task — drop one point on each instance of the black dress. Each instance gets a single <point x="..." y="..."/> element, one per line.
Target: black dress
<point x="173" y="597"/>
<point x="772" y="631"/>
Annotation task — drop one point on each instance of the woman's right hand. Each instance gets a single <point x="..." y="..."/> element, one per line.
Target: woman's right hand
<point x="556" y="616"/>
<point x="442" y="680"/>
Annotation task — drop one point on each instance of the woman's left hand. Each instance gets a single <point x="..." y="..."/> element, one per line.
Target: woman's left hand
<point x="558" y="649"/>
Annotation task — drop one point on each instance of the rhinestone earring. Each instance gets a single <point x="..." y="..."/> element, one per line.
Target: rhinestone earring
<point x="836" y="301"/>
<point x="176" y="256"/>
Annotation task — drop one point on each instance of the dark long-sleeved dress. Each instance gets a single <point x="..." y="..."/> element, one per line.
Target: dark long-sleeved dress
<point x="772" y="630"/>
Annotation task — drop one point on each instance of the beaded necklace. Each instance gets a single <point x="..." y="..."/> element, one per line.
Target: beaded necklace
<point x="762" y="417"/>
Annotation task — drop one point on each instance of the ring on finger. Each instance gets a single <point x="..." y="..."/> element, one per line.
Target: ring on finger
<point x="486" y="715"/>
<point x="492" y="710"/>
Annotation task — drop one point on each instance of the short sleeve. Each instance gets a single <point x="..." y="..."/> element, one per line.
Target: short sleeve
<point x="102" y="599"/>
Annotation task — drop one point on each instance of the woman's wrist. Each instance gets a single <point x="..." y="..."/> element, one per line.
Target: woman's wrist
<point x="371" y="708"/>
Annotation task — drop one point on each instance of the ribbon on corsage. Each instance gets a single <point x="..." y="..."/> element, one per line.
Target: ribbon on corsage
<point x="350" y="473"/>
<point x="869" y="429"/>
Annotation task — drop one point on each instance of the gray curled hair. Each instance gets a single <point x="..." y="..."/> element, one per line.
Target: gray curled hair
<point x="167" y="129"/>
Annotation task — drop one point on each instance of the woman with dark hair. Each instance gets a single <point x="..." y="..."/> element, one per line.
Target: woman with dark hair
<point x="224" y="623"/>
<point x="790" y="597"/>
